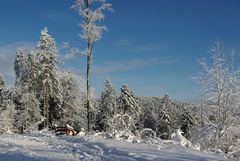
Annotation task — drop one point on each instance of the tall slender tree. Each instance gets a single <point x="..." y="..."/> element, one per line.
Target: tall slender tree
<point x="50" y="87"/>
<point x="92" y="12"/>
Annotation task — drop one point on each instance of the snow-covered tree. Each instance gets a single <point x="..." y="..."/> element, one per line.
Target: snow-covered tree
<point x="108" y="104"/>
<point x="7" y="114"/>
<point x="92" y="12"/>
<point x="2" y="84"/>
<point x="128" y="104"/>
<point x="29" y="114"/>
<point x="221" y="90"/>
<point x="164" y="125"/>
<point x="49" y="83"/>
<point x="32" y="72"/>
<point x="187" y="122"/>
<point x="20" y="67"/>
<point x="73" y="100"/>
<point x="123" y="126"/>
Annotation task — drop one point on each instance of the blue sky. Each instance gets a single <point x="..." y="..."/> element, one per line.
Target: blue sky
<point x="151" y="45"/>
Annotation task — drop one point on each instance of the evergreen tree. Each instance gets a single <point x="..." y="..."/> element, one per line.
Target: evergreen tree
<point x="108" y="104"/>
<point x="2" y="84"/>
<point x="187" y="122"/>
<point x="149" y="118"/>
<point x="128" y="104"/>
<point x="49" y="83"/>
<point x="164" y="125"/>
<point x="20" y="82"/>
<point x="20" y="67"/>
<point x="32" y="72"/>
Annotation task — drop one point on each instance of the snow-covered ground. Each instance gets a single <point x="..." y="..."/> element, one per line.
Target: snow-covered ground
<point x="48" y="147"/>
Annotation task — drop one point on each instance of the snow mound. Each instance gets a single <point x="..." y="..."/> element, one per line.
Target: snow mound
<point x="179" y="138"/>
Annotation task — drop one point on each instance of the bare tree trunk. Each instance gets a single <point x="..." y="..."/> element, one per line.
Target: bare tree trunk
<point x="202" y="122"/>
<point x="89" y="57"/>
<point x="88" y="93"/>
<point x="46" y="105"/>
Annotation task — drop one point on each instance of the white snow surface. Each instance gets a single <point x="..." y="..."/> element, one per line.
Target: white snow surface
<point x="48" y="147"/>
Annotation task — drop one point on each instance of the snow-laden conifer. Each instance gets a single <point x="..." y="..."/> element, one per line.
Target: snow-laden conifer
<point x="108" y="104"/>
<point x="187" y="122"/>
<point x="164" y="125"/>
<point x="48" y="78"/>
<point x="20" y="67"/>
<point x="2" y="85"/>
<point x="127" y="103"/>
<point x="2" y="82"/>
<point x="32" y="72"/>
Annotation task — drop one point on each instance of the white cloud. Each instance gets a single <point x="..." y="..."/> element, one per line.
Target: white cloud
<point x="7" y="57"/>
<point x="114" y="66"/>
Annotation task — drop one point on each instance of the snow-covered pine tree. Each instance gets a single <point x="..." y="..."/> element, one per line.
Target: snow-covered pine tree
<point x="149" y="117"/>
<point x="29" y="115"/>
<point x="32" y="72"/>
<point x="108" y="104"/>
<point x="2" y="82"/>
<point x="20" y="67"/>
<point x="187" y="122"/>
<point x="164" y="125"/>
<point x="127" y="103"/>
<point x="49" y="82"/>
<point x="20" y="81"/>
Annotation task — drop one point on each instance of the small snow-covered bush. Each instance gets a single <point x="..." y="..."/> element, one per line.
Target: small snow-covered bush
<point x="126" y="135"/>
<point x="122" y="122"/>
<point x="147" y="133"/>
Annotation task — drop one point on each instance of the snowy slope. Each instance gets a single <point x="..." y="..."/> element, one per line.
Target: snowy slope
<point x="39" y="147"/>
